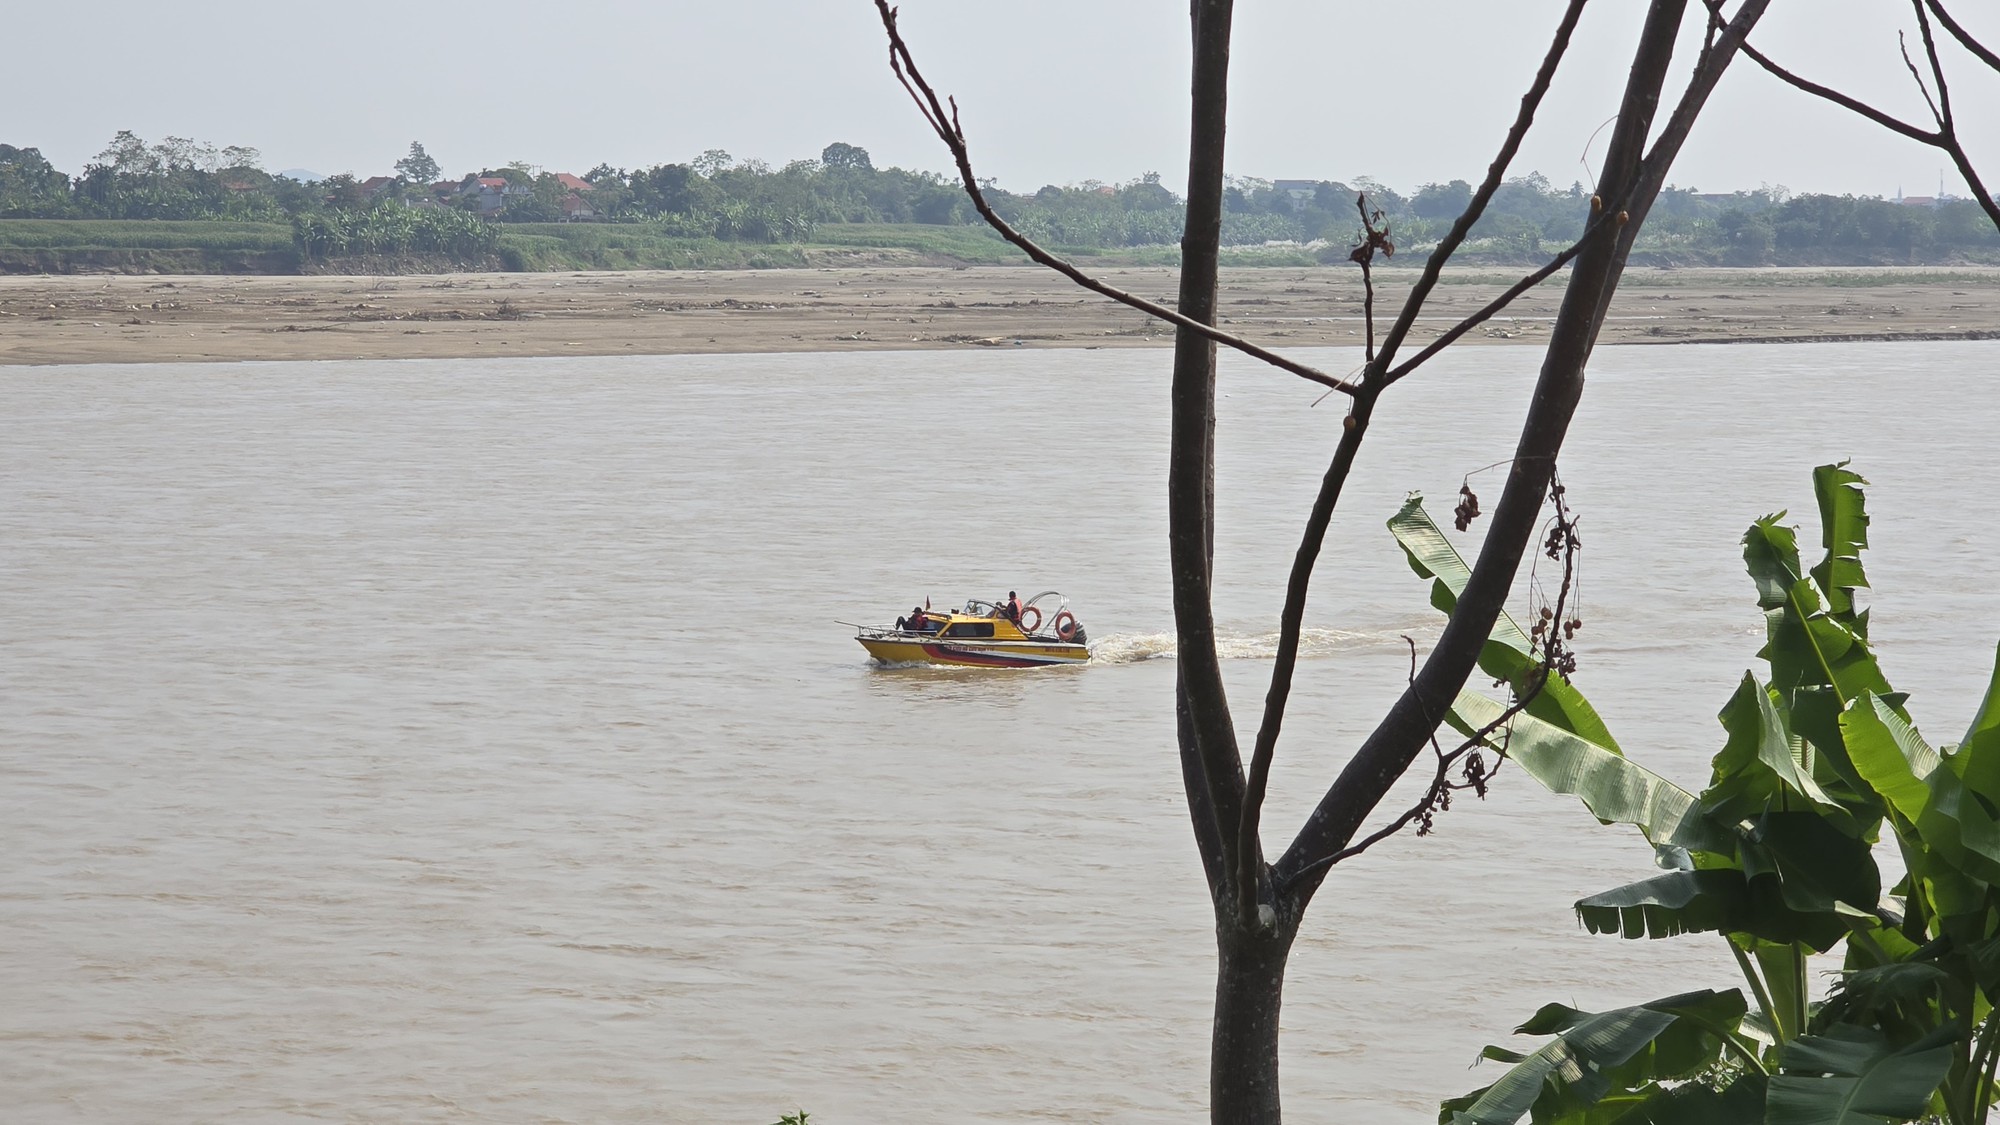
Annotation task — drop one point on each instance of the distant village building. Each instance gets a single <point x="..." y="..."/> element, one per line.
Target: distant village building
<point x="575" y="207"/>
<point x="490" y="192"/>
<point x="1301" y="191"/>
<point x="376" y="185"/>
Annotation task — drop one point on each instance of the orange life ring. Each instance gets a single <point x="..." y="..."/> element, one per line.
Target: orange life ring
<point x="1025" y="611"/>
<point x="1065" y="625"/>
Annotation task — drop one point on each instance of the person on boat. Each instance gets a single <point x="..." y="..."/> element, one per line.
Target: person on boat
<point x="1013" y="607"/>
<point x="919" y="622"/>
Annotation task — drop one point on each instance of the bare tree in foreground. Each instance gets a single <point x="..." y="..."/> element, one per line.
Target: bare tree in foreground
<point x="1259" y="903"/>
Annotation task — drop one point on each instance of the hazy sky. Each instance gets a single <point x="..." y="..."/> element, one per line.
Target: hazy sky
<point x="1052" y="91"/>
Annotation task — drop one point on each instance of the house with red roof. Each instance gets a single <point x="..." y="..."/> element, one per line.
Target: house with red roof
<point x="491" y="192"/>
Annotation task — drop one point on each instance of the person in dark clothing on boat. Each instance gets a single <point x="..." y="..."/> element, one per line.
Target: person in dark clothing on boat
<point x="919" y="622"/>
<point x="1013" y="607"/>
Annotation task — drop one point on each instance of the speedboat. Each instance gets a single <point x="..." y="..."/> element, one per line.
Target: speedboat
<point x="982" y="635"/>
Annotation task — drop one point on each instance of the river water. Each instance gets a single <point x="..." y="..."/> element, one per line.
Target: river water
<point x="475" y="741"/>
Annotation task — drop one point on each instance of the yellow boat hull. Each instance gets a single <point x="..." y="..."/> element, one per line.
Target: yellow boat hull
<point x="973" y="653"/>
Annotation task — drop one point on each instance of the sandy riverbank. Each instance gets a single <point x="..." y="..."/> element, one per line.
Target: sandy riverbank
<point x="131" y="319"/>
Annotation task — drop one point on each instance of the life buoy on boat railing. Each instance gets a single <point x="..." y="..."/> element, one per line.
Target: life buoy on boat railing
<point x="1025" y="626"/>
<point x="1065" y="625"/>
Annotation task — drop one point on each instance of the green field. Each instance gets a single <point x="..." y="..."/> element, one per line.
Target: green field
<point x="144" y="246"/>
<point x="616" y="246"/>
<point x="142" y="234"/>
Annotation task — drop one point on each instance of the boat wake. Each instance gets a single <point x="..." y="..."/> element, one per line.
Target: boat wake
<point x="1132" y="648"/>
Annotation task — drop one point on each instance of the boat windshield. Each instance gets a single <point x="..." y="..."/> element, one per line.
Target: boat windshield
<point x="976" y="608"/>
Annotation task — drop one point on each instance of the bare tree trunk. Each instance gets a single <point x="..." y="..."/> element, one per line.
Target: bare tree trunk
<point x="1243" y="1053"/>
<point x="1211" y="766"/>
<point x="1250" y="959"/>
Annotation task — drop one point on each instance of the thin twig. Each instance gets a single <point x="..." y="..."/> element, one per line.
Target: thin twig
<point x="1478" y="738"/>
<point x="1903" y="45"/>
<point x="944" y="122"/>
<point x="1943" y="109"/>
<point x="1371" y="239"/>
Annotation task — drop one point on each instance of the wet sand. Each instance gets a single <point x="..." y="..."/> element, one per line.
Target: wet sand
<point x="136" y="319"/>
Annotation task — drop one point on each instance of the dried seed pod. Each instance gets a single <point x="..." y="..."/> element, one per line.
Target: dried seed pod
<point x="1468" y="508"/>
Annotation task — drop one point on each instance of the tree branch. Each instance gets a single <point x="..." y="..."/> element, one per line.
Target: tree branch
<point x="1390" y="749"/>
<point x="1944" y="138"/>
<point x="1493" y="307"/>
<point x="1979" y="50"/>
<point x="1495" y="174"/>
<point x="944" y="122"/>
<point x="1894" y="125"/>
<point x="1708" y="71"/>
<point x="1249" y="848"/>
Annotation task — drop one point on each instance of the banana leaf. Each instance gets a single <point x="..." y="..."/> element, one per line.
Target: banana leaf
<point x="1602" y="1066"/>
<point x="1758" y="766"/>
<point x="1806" y="643"/>
<point x="1696" y="1103"/>
<point x="1977" y="758"/>
<point x="1819" y="866"/>
<point x="1506" y="654"/>
<point x="1814" y="716"/>
<point x="1843" y="524"/>
<point x="1612" y="787"/>
<point x="1717" y="900"/>
<point x="1926" y="790"/>
<point x="1854" y="1076"/>
<point x="1889" y="755"/>
<point x="1904" y="998"/>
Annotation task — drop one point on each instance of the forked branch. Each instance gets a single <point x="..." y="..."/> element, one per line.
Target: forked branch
<point x="1251" y="870"/>
<point x="1388" y="752"/>
<point x="1943" y="138"/>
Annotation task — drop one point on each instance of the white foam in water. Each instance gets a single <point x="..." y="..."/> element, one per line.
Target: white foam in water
<point x="1130" y="648"/>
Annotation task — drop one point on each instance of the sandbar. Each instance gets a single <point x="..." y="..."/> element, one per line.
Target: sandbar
<point x="116" y="318"/>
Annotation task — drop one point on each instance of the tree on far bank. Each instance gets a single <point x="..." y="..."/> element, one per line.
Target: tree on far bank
<point x="418" y="167"/>
<point x="842" y="155"/>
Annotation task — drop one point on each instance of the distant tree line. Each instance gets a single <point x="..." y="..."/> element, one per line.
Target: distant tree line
<point x="716" y="196"/>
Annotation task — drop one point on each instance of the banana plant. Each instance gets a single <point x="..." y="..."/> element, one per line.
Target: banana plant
<point x="1820" y="765"/>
